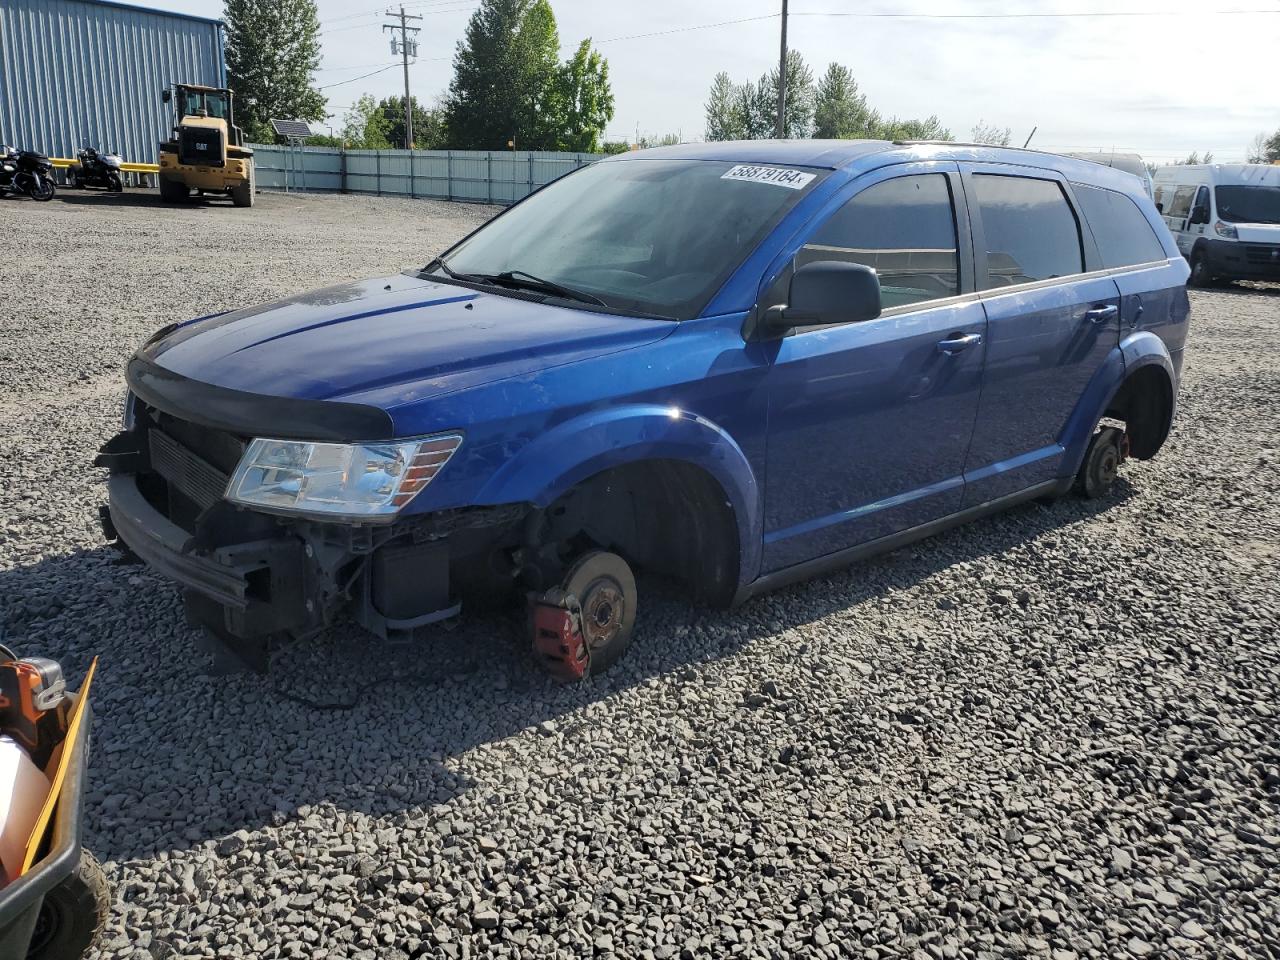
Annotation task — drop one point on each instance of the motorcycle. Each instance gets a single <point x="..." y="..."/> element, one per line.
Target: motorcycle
<point x="25" y="171"/>
<point x="96" y="170"/>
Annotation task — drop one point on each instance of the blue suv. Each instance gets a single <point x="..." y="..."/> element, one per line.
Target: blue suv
<point x="736" y="364"/>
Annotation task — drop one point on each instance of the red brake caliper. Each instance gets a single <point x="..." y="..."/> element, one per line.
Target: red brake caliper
<point x="558" y="641"/>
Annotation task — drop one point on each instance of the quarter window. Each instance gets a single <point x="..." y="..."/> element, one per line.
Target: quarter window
<point x="1030" y="230"/>
<point x="1123" y="235"/>
<point x="904" y="228"/>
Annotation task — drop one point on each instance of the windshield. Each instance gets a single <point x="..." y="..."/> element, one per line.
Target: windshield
<point x="657" y="237"/>
<point x="195" y="101"/>
<point x="1249" y="204"/>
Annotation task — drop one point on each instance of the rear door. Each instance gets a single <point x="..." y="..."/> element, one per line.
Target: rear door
<point x="869" y="421"/>
<point x="1176" y="202"/>
<point x="1053" y="315"/>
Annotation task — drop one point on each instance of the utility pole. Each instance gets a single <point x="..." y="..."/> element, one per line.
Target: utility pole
<point x="781" y="131"/>
<point x="407" y="48"/>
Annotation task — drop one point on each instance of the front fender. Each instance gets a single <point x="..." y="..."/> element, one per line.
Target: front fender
<point x="1140" y="349"/>
<point x="555" y="462"/>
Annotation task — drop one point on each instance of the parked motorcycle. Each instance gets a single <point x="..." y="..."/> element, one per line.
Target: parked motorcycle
<point x="96" y="169"/>
<point x="25" y="171"/>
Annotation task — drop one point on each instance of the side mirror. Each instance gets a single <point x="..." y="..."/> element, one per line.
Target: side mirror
<point x="828" y="291"/>
<point x="1200" y="215"/>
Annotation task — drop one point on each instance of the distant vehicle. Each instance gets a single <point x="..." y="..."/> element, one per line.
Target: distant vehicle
<point x="206" y="152"/>
<point x="26" y="172"/>
<point x="94" y="169"/>
<point x="1225" y="218"/>
<point x="1127" y="162"/>
<point x="736" y="364"/>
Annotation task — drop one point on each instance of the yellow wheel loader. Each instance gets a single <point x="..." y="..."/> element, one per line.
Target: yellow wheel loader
<point x="206" y="153"/>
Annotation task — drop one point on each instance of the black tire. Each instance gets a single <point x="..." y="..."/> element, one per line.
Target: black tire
<point x="42" y="190"/>
<point x="1101" y="463"/>
<point x="73" y="914"/>
<point x="1201" y="275"/>
<point x="242" y="196"/>
<point x="605" y="589"/>
<point x="172" y="192"/>
<point x="116" y="185"/>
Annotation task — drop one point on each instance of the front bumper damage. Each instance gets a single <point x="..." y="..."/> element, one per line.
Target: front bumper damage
<point x="250" y="578"/>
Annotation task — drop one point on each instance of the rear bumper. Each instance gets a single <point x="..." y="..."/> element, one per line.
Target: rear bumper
<point x="1240" y="260"/>
<point x="20" y="901"/>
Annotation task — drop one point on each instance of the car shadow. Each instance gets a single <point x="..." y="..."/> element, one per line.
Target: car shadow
<point x="347" y="722"/>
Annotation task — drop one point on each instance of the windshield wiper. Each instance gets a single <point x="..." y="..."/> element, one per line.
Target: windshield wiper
<point x="527" y="281"/>
<point x="519" y="280"/>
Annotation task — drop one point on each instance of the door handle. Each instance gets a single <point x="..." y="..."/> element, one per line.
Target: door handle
<point x="959" y="341"/>
<point x="1101" y="315"/>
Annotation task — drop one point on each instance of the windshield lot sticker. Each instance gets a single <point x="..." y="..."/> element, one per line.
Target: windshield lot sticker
<point x="793" y="179"/>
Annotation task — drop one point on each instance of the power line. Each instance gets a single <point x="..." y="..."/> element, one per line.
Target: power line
<point x="700" y="26"/>
<point x="1029" y="16"/>
<point x="354" y="79"/>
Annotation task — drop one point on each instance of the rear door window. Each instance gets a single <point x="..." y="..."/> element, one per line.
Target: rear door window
<point x="905" y="229"/>
<point x="1031" y="231"/>
<point x="1123" y="235"/>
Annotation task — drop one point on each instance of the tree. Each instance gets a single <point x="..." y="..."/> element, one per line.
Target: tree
<point x="666" y="140"/>
<point x="581" y="101"/>
<point x="930" y="128"/>
<point x="724" y="114"/>
<point x="365" y="127"/>
<point x="611" y="147"/>
<point x="1265" y="149"/>
<point x="272" y="51"/>
<point x="508" y="83"/>
<point x="1193" y="158"/>
<point x="840" y="112"/>
<point x="428" y="123"/>
<point x="835" y="109"/>
<point x="996" y="136"/>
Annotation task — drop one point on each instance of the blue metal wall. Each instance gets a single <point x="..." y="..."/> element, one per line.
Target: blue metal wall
<point x="77" y="71"/>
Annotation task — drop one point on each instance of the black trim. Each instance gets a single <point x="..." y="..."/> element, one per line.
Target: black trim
<point x="20" y="901"/>
<point x="1231" y="260"/>
<point x="163" y="545"/>
<point x="843" y="558"/>
<point x="255" y="414"/>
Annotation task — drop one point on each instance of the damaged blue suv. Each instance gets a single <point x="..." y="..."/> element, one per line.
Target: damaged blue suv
<point x="737" y="364"/>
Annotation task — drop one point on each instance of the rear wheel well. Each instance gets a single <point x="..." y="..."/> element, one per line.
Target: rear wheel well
<point x="664" y="516"/>
<point x="1145" y="403"/>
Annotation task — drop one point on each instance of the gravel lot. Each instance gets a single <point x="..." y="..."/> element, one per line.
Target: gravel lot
<point x="1055" y="733"/>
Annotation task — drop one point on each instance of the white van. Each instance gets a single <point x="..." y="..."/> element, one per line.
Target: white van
<point x="1128" y="162"/>
<point x="1225" y="217"/>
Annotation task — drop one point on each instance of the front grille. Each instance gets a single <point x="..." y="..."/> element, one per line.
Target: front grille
<point x="1262" y="253"/>
<point x="193" y="477"/>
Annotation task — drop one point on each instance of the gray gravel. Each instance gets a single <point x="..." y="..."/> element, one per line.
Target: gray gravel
<point x="1055" y="733"/>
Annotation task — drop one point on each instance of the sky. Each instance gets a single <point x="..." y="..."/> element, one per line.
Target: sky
<point x="1187" y="75"/>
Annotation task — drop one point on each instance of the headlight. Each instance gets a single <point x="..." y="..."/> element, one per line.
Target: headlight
<point x="1226" y="230"/>
<point x="371" y="481"/>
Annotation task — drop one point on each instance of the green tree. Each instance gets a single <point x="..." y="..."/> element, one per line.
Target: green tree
<point x="581" y="101"/>
<point x="504" y="69"/>
<point x="365" y="125"/>
<point x="611" y="147"/>
<point x="996" y="136"/>
<point x="272" y="51"/>
<point x="724" y="114"/>
<point x="428" y="123"/>
<point x="1193" y="158"/>
<point x="840" y="111"/>
<point x="930" y="128"/>
<point x="798" y="111"/>
<point x="1271" y="149"/>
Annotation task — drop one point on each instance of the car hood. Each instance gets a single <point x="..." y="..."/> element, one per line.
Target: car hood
<point x="1258" y="232"/>
<point x="389" y="341"/>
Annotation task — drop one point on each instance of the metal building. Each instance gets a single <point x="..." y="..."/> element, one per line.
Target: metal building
<point x="76" y="72"/>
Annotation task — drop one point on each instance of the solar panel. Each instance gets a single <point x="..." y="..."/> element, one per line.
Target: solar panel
<point x="291" y="128"/>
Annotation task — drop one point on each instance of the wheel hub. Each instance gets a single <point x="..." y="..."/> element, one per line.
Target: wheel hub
<point x="602" y="611"/>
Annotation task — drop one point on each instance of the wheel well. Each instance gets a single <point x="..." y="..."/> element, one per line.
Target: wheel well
<point x="1145" y="403"/>
<point x="661" y="515"/>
